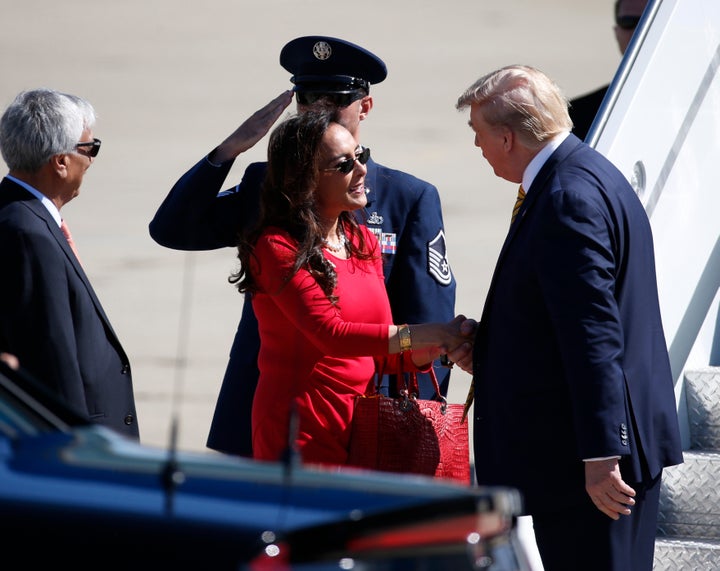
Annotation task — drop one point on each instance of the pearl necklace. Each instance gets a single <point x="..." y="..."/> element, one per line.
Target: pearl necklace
<point x="335" y="248"/>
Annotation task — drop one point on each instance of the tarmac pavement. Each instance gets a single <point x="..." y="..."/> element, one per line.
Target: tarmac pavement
<point x="170" y="79"/>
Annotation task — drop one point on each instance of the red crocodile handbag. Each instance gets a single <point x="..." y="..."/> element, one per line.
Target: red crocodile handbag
<point x="410" y="435"/>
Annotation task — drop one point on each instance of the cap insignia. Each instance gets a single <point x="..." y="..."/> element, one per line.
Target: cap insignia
<point x="322" y="50"/>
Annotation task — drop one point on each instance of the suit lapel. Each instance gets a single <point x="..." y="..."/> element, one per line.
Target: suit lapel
<point x="538" y="186"/>
<point x="13" y="192"/>
<point x="37" y="207"/>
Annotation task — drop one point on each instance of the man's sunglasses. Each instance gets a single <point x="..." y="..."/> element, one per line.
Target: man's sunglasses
<point x="627" y="22"/>
<point x="94" y="147"/>
<point x="347" y="165"/>
<point x="337" y="99"/>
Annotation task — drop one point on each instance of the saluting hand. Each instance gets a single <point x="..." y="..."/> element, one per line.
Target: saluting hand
<point x="252" y="130"/>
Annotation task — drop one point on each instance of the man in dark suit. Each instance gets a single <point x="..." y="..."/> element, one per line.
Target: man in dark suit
<point x="584" y="108"/>
<point x="403" y="211"/>
<point x="51" y="321"/>
<point x="573" y="393"/>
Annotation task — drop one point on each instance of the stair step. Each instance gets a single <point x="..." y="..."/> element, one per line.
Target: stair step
<point x="690" y="497"/>
<point x="689" y="520"/>
<point x="675" y="554"/>
<point x="702" y="390"/>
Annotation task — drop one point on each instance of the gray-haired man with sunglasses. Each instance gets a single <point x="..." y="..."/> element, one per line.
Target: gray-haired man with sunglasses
<point x="50" y="318"/>
<point x="402" y="210"/>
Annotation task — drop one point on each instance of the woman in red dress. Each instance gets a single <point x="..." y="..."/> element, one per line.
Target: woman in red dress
<point x="314" y="276"/>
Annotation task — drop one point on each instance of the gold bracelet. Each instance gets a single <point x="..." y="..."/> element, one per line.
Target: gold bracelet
<point x="404" y="336"/>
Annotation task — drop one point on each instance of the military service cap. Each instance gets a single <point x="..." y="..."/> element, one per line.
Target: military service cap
<point x="330" y="65"/>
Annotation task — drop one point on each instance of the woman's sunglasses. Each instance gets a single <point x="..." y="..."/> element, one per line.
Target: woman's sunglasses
<point x="346" y="165"/>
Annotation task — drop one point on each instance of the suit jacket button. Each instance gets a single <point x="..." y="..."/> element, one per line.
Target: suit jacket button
<point x="125" y="369"/>
<point x="129" y="419"/>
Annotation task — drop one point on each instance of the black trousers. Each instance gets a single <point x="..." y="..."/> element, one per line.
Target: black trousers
<point x="585" y="539"/>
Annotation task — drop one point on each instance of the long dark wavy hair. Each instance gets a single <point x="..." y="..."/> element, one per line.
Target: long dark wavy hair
<point x="288" y="201"/>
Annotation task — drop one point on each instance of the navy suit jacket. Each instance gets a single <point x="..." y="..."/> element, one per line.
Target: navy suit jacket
<point x="51" y="319"/>
<point x="570" y="360"/>
<point x="402" y="210"/>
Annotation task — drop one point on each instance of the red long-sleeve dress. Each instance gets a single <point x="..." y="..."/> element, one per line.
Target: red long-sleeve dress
<point x="315" y="356"/>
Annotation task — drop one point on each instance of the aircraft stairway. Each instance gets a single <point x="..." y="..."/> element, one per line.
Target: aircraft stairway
<point x="689" y="521"/>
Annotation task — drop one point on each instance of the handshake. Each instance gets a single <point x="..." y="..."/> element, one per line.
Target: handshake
<point x="455" y="339"/>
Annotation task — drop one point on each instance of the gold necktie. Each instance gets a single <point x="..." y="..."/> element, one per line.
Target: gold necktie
<point x="66" y="232"/>
<point x="516" y="209"/>
<point x="518" y="203"/>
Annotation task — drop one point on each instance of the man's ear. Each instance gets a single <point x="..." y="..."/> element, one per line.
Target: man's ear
<point x="508" y="139"/>
<point x="59" y="164"/>
<point x="366" y="104"/>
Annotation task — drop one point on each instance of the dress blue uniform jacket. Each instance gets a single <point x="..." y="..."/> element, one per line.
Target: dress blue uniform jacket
<point x="570" y="359"/>
<point x="51" y="319"/>
<point x="402" y="210"/>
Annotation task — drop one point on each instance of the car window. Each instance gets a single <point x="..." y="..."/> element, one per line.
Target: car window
<point x="27" y="409"/>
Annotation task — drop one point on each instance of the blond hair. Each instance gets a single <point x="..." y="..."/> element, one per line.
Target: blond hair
<point x="523" y="99"/>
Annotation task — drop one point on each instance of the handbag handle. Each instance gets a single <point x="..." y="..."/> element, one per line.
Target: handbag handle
<point x="412" y="390"/>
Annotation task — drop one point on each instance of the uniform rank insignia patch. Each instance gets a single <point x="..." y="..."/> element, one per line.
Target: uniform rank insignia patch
<point x="438" y="266"/>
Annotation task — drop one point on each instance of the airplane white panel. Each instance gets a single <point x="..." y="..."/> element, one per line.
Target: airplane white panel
<point x="660" y="124"/>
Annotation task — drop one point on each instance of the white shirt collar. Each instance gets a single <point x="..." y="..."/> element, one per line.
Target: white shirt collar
<point x="49" y="204"/>
<point x="541" y="158"/>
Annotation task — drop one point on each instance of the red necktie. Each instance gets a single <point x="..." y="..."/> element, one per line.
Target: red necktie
<point x="66" y="231"/>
